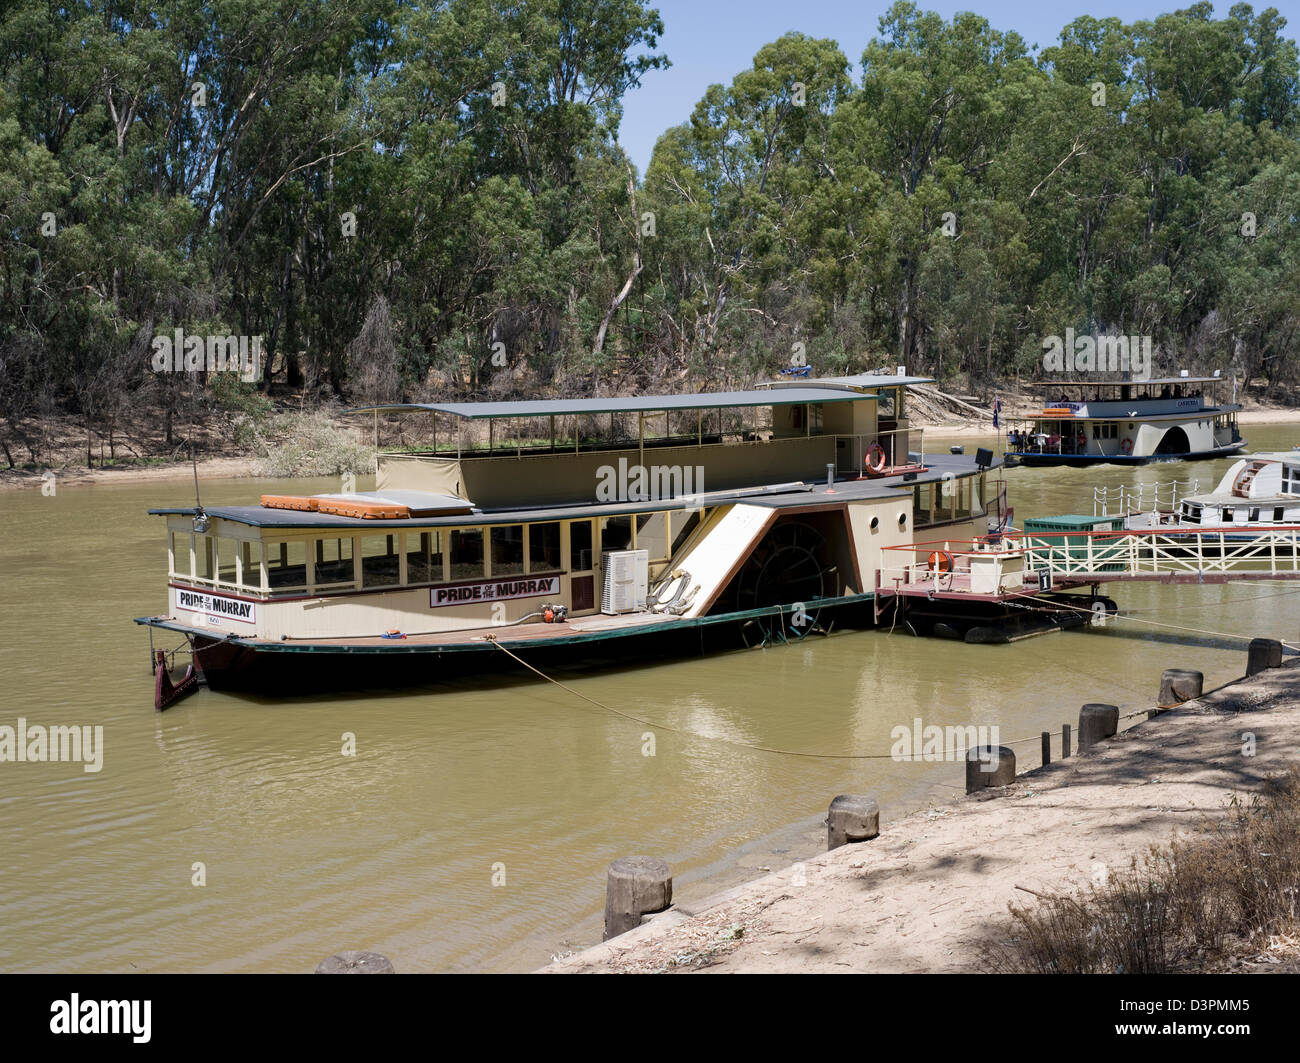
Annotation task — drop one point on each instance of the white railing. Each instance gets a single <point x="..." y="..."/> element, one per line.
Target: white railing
<point x="1141" y="498"/>
<point x="1100" y="556"/>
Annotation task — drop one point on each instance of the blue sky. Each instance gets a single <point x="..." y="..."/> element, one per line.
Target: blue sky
<point x="713" y="40"/>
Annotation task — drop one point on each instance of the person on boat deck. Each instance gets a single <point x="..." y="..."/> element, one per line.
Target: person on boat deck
<point x="1080" y="443"/>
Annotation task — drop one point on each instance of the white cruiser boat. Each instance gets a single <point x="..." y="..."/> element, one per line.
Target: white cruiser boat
<point x="1260" y="492"/>
<point x="556" y="527"/>
<point x="1126" y="422"/>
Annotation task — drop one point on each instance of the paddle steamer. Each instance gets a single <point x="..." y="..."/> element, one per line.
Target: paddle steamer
<point x="753" y="515"/>
<point x="1126" y="422"/>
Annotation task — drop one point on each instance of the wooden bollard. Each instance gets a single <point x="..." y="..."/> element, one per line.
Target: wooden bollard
<point x="989" y="766"/>
<point x="1065" y="740"/>
<point x="1096" y="724"/>
<point x="1262" y="654"/>
<point x="635" y="886"/>
<point x="355" y="963"/>
<point x="1176" y="686"/>
<point x="852" y="818"/>
<point x="1047" y="747"/>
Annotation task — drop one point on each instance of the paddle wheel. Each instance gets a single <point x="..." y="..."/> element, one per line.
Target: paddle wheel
<point x="790" y="566"/>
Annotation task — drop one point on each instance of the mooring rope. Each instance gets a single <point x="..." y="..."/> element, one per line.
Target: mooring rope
<point x="1142" y="620"/>
<point x="745" y="745"/>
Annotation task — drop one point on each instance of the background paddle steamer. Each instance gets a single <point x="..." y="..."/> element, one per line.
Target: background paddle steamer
<point x="1126" y="422"/>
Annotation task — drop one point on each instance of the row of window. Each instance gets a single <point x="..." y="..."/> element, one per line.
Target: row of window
<point x="947" y="500"/>
<point x="431" y="556"/>
<point x="1193" y="513"/>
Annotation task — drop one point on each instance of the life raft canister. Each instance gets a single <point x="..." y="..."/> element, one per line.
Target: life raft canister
<point x="876" y="458"/>
<point x="940" y="561"/>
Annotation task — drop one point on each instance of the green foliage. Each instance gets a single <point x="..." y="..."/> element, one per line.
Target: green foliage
<point x="431" y="200"/>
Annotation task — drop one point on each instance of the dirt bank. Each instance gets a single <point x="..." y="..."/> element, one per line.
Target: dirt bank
<point x="928" y="893"/>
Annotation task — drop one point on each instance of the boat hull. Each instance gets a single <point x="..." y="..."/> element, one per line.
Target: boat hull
<point x="1045" y="460"/>
<point x="288" y="669"/>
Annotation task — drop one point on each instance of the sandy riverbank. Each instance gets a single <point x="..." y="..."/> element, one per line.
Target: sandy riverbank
<point x="231" y="468"/>
<point x="934" y="888"/>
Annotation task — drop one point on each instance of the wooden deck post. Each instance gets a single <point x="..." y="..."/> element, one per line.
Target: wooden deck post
<point x="1263" y="654"/>
<point x="1096" y="724"/>
<point x="989" y="766"/>
<point x="635" y="886"/>
<point x="852" y="818"/>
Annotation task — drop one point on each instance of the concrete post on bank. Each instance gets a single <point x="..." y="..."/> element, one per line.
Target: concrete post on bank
<point x="989" y="766"/>
<point x="635" y="886"/>
<point x="1177" y="685"/>
<point x="852" y="818"/>
<point x="355" y="963"/>
<point x="1096" y="724"/>
<point x="1263" y="654"/>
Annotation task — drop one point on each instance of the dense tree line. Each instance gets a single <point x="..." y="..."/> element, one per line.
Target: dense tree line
<point x="406" y="200"/>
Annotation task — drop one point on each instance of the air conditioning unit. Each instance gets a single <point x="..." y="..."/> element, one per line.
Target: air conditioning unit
<point x="627" y="577"/>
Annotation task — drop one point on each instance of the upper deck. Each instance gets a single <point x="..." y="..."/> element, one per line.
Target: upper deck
<point x="1159" y="399"/>
<point x="544" y="452"/>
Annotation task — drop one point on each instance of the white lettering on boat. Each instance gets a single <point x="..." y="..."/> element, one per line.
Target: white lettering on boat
<point x="494" y="590"/>
<point x="216" y="606"/>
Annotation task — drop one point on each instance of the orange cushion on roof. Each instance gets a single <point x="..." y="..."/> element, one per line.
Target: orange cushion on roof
<point x="307" y="505"/>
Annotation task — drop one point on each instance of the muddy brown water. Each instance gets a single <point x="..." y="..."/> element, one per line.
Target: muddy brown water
<point x="472" y="828"/>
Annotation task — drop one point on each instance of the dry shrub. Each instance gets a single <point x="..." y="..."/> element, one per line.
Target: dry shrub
<point x="1178" y="907"/>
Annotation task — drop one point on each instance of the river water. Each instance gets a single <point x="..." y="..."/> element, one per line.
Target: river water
<point x="472" y="828"/>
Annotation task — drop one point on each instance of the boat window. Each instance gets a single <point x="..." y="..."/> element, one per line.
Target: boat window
<point x="1227" y="516"/>
<point x="180" y="553"/>
<point x="466" y="552"/>
<point x="226" y="549"/>
<point x="580" y="546"/>
<point x="652" y="534"/>
<point x="380" y="563"/>
<point x="286" y="565"/>
<point x="1191" y="513"/>
<point x="1279" y="515"/>
<point x="204" y="556"/>
<point x="683" y="523"/>
<point x="424" y="557"/>
<point x="544" y="547"/>
<point x="507" y="550"/>
<point x="250" y="560"/>
<point x="922" y="504"/>
<point x="616" y="534"/>
<point x="1254" y="515"/>
<point x="333" y="562"/>
<point x="956" y="502"/>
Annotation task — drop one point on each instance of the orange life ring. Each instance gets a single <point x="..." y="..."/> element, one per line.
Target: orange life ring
<point x="1126" y="445"/>
<point x="940" y="561"/>
<point x="876" y="458"/>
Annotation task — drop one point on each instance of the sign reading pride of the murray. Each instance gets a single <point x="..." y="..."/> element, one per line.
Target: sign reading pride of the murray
<point x="494" y="591"/>
<point x="216" y="606"/>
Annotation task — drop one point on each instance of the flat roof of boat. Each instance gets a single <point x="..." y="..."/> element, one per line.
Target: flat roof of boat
<point x="938" y="468"/>
<point x="861" y="380"/>
<point x="704" y="400"/>
<point x="1292" y="457"/>
<point x="1127" y="383"/>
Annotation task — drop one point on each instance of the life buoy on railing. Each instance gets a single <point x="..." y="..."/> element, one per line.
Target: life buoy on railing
<point x="940" y="561"/>
<point x="876" y="458"/>
<point x="1126" y="445"/>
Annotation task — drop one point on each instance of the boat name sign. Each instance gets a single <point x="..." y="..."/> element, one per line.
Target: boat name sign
<point x="494" y="591"/>
<point x="215" y="607"/>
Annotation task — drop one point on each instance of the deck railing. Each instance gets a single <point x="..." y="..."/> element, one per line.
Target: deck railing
<point x="1105" y="555"/>
<point x="1141" y="498"/>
